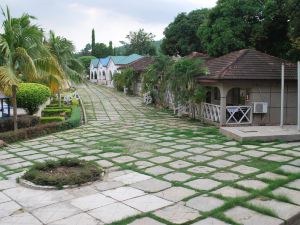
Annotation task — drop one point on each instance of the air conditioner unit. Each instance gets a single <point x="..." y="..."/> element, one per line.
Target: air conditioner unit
<point x="260" y="107"/>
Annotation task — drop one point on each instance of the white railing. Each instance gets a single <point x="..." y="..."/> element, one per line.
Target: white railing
<point x="211" y="112"/>
<point x="238" y="114"/>
<point x="235" y="115"/>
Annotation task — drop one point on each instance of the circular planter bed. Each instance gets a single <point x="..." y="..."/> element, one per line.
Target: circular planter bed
<point x="62" y="173"/>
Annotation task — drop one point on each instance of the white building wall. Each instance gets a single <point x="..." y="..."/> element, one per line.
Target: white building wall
<point x="110" y="71"/>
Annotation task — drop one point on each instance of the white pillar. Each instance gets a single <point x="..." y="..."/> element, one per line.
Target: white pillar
<point x="282" y="96"/>
<point x="223" y="95"/>
<point x="298" y="119"/>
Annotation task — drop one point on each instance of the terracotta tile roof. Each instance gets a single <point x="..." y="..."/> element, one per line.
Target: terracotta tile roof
<point x="140" y="65"/>
<point x="248" y="64"/>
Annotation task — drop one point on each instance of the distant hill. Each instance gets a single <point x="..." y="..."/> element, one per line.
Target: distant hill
<point x="121" y="50"/>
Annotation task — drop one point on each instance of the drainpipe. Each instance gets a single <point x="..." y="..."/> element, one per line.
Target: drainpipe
<point x="282" y="96"/>
<point x="298" y="96"/>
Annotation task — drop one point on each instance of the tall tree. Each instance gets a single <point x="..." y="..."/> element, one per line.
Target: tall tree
<point x="271" y="26"/>
<point x="140" y="42"/>
<point x="101" y="50"/>
<point x="63" y="51"/>
<point x="24" y="56"/>
<point x="86" y="51"/>
<point x="183" y="85"/>
<point x="93" y="45"/>
<point x="231" y="26"/>
<point x="181" y="35"/>
<point x="110" y="47"/>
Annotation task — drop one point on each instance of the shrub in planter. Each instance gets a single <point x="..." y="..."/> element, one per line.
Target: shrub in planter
<point x="43" y="129"/>
<point x="56" y="111"/>
<point x="52" y="119"/>
<point x="32" y="132"/>
<point x="66" y="171"/>
<point x="31" y="95"/>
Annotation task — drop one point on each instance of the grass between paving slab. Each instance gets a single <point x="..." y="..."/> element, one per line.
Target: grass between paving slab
<point x="108" y="138"/>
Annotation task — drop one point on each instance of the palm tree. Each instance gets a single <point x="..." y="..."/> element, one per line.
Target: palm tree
<point x="183" y="85"/>
<point x="62" y="50"/>
<point x="23" y="55"/>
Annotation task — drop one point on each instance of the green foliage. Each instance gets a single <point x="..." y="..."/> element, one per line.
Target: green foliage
<point x="74" y="102"/>
<point x="139" y="42"/>
<point x="181" y="35"/>
<point x="93" y="46"/>
<point x="181" y="79"/>
<point x="67" y="171"/>
<point x="56" y="111"/>
<point x="31" y="95"/>
<point x="126" y="78"/>
<point x="62" y="49"/>
<point x="150" y="79"/>
<point x="102" y="50"/>
<point x="75" y="119"/>
<point x="154" y="79"/>
<point x="199" y="95"/>
<point x="85" y="61"/>
<point x="52" y="119"/>
<point x="110" y="48"/>
<point x="271" y="26"/>
<point x="24" y="121"/>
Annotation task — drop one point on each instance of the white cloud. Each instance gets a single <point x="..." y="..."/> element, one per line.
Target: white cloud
<point x="111" y="19"/>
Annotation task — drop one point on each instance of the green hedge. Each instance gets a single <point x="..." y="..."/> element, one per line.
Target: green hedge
<point x="52" y="119"/>
<point x="31" y="95"/>
<point x="24" y="121"/>
<point x="75" y="119"/>
<point x="47" y="112"/>
<point x="43" y="129"/>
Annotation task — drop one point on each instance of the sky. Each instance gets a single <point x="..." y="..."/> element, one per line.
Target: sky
<point x="111" y="19"/>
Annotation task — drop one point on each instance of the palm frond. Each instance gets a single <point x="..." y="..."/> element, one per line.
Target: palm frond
<point x="49" y="65"/>
<point x="25" y="64"/>
<point x="7" y="79"/>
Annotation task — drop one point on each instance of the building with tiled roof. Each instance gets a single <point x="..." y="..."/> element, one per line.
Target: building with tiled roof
<point x="103" y="69"/>
<point x="243" y="87"/>
<point x="140" y="65"/>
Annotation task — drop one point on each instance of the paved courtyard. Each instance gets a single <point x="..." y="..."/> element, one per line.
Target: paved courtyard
<point x="160" y="170"/>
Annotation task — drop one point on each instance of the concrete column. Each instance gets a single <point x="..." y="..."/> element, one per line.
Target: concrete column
<point x="223" y="95"/>
<point x="282" y="97"/>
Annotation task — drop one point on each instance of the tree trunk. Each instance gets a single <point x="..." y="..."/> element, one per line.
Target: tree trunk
<point x="59" y="99"/>
<point x="14" y="103"/>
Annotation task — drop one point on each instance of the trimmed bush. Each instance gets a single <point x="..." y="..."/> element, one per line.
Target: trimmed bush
<point x="31" y="132"/>
<point x="31" y="95"/>
<point x="52" y="119"/>
<point x="47" y="112"/>
<point x="24" y="121"/>
<point x="75" y="119"/>
<point x="43" y="129"/>
<point x="67" y="171"/>
<point x="75" y="102"/>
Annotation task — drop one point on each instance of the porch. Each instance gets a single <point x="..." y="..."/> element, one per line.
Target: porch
<point x="262" y="133"/>
<point x="235" y="115"/>
<point x="227" y="106"/>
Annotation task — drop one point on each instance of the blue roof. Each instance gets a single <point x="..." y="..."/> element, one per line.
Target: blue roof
<point x="104" y="61"/>
<point x="118" y="60"/>
<point x="123" y="60"/>
<point x="95" y="62"/>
